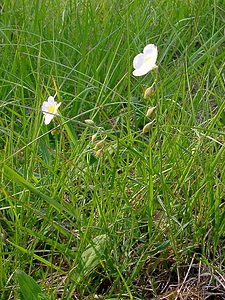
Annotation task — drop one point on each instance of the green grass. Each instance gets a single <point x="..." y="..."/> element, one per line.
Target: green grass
<point x="148" y="214"/>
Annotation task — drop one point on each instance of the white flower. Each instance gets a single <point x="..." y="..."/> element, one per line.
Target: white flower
<point x="49" y="109"/>
<point x="145" y="62"/>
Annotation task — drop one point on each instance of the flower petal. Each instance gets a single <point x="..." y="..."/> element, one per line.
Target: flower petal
<point x="151" y="51"/>
<point x="48" y="118"/>
<point x="51" y="100"/>
<point x="45" y="106"/>
<point x="58" y="105"/>
<point x="141" y="71"/>
<point x="145" y="68"/>
<point x="138" y="60"/>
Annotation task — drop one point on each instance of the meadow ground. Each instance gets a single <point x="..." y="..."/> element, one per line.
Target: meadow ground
<point x="90" y="206"/>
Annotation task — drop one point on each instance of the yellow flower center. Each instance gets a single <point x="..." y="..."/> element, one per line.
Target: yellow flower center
<point x="147" y="59"/>
<point x="51" y="109"/>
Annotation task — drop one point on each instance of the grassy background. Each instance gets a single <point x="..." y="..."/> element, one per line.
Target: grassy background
<point x="149" y="213"/>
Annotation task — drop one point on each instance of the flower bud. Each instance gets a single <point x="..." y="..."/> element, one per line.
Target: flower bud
<point x="94" y="137"/>
<point x="89" y="122"/>
<point x="149" y="92"/>
<point x="99" y="145"/>
<point x="150" y="111"/>
<point x="55" y="132"/>
<point x="98" y="153"/>
<point x="148" y="126"/>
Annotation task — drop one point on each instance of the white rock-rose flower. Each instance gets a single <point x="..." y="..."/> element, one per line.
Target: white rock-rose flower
<point x="146" y="61"/>
<point x="49" y="109"/>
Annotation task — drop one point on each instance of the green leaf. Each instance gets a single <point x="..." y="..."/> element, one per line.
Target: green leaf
<point x="29" y="289"/>
<point x="91" y="257"/>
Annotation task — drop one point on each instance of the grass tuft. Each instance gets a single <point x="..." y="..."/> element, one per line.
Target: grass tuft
<point x="96" y="205"/>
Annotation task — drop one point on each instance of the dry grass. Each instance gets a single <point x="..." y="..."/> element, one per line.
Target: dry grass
<point x="197" y="281"/>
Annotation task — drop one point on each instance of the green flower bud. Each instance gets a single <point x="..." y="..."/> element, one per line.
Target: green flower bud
<point x="89" y="122"/>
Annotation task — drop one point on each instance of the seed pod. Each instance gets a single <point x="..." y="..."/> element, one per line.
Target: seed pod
<point x="148" y="126"/>
<point x="94" y="137"/>
<point x="150" y="111"/>
<point x="89" y="122"/>
<point x="55" y="131"/>
<point x="99" y="153"/>
<point x="149" y="91"/>
<point x="99" y="145"/>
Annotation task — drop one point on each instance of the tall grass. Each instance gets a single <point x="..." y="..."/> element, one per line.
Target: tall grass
<point x="152" y="204"/>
